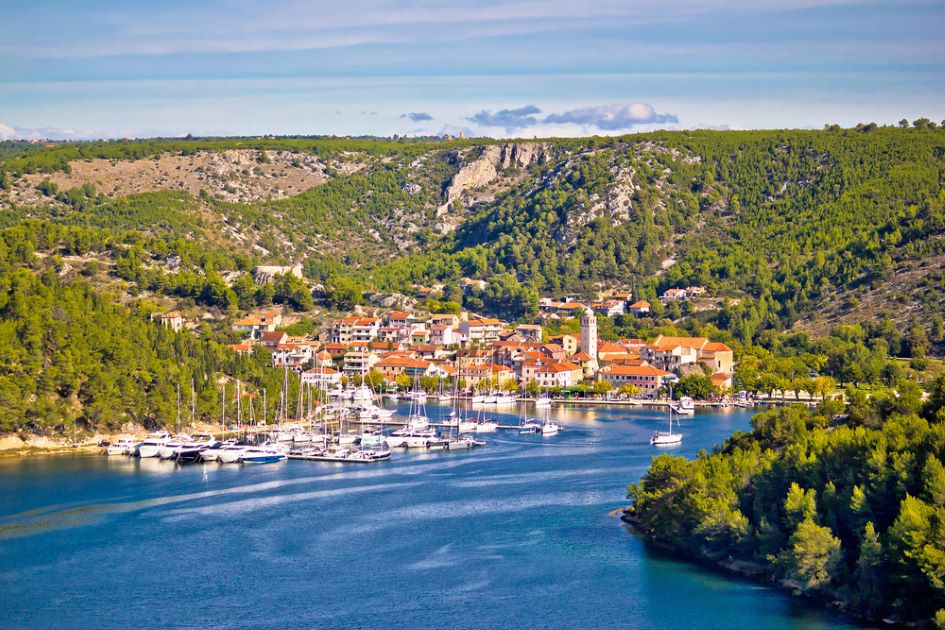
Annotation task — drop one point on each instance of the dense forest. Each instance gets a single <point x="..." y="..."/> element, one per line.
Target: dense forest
<point x="844" y="504"/>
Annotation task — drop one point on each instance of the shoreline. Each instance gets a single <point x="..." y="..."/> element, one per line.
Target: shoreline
<point x="743" y="570"/>
<point x="40" y="446"/>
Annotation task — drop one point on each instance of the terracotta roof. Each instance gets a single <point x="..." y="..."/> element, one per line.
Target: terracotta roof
<point x="636" y="370"/>
<point x="582" y="356"/>
<point x="716" y="346"/>
<point x="321" y="370"/>
<point x="401" y="361"/>
<point x="248" y="321"/>
<point x="398" y="315"/>
<point x="559" y="367"/>
<point x="272" y="335"/>
<point x="484" y="321"/>
<point x="241" y="347"/>
<point x="611" y="348"/>
<point x="640" y="304"/>
<point x="489" y="367"/>
<point x="686" y="342"/>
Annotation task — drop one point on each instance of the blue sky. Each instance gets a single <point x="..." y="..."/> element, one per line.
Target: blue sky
<point x="106" y="68"/>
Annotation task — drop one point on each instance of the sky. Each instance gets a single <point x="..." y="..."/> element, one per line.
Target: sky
<point x="499" y="68"/>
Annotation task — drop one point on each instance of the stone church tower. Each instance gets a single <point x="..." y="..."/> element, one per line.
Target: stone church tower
<point x="589" y="334"/>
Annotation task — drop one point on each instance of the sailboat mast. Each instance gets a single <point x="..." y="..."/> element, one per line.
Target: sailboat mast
<point x="223" y="416"/>
<point x="193" y="406"/>
<point x="178" y="408"/>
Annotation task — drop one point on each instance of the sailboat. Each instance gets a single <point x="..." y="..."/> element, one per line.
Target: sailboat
<point x="667" y="438"/>
<point x="549" y="427"/>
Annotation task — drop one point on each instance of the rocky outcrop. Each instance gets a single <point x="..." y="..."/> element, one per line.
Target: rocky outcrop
<point x="485" y="169"/>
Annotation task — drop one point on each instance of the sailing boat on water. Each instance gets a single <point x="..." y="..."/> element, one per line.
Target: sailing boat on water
<point x="667" y="438"/>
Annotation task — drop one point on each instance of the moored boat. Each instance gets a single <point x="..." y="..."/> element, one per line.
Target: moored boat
<point x="124" y="446"/>
<point x="262" y="455"/>
<point x="152" y="445"/>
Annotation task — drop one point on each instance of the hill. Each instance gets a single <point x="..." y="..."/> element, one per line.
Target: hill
<point x="814" y="228"/>
<point x="789" y="231"/>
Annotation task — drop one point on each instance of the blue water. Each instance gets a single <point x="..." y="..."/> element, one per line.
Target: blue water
<point x="516" y="534"/>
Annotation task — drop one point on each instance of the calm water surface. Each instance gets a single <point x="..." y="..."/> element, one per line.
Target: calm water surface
<point x="515" y="534"/>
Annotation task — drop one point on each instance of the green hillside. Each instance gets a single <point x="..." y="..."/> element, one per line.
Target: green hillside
<point x="789" y="231"/>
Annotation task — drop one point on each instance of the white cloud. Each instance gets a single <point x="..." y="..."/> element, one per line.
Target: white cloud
<point x="613" y="116"/>
<point x="509" y="119"/>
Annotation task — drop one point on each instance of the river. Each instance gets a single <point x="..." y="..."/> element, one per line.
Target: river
<point x="515" y="534"/>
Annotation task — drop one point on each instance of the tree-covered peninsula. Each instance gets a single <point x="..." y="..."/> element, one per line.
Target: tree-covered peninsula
<point x="840" y="504"/>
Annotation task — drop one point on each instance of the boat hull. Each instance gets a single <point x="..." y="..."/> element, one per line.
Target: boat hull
<point x="263" y="459"/>
<point x="149" y="450"/>
<point x="665" y="439"/>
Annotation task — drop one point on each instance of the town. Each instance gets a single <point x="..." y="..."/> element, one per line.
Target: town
<point x="392" y="349"/>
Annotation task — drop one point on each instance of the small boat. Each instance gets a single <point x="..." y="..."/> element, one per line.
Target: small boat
<point x="530" y="426"/>
<point x="462" y="442"/>
<point x="340" y="455"/>
<point x="262" y="455"/>
<point x="467" y="426"/>
<point x="232" y="454"/>
<point x="685" y="406"/>
<point x="550" y="428"/>
<point x="487" y="426"/>
<point x="124" y="446"/>
<point x="419" y="439"/>
<point x="445" y="397"/>
<point x="543" y="401"/>
<point x="504" y="399"/>
<point x="478" y="399"/>
<point x="667" y="438"/>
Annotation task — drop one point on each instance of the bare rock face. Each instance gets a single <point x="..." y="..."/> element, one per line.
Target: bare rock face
<point x="485" y="169"/>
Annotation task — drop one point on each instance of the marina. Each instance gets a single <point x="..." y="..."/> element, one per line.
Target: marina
<point x="483" y="538"/>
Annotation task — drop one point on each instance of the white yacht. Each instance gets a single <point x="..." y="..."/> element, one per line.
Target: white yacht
<point x="212" y="454"/>
<point x="542" y="401"/>
<point x="170" y="448"/>
<point x="265" y="454"/>
<point x="550" y="428"/>
<point x="124" y="446"/>
<point x="504" y="399"/>
<point x="467" y="426"/>
<point x="152" y="445"/>
<point x="462" y="442"/>
<point x="478" y="399"/>
<point x="231" y="454"/>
